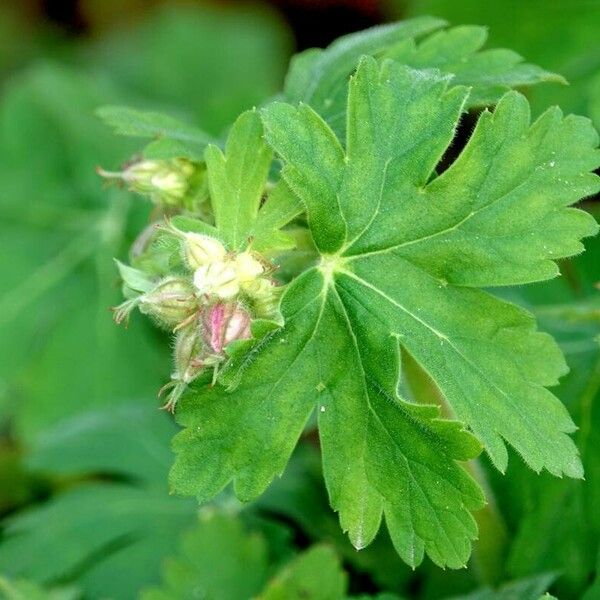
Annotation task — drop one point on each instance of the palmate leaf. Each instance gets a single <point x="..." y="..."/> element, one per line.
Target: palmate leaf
<point x="402" y="254"/>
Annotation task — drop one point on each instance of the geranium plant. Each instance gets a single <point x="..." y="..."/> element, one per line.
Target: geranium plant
<point x="334" y="265"/>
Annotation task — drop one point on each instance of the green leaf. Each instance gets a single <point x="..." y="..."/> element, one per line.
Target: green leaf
<point x="501" y="203"/>
<point x="236" y="181"/>
<point x="110" y="537"/>
<point x="190" y="141"/>
<point x="314" y="575"/>
<point x="320" y="77"/>
<point x="280" y="207"/>
<point x="26" y="590"/>
<point x="103" y="441"/>
<point x="217" y="559"/>
<point x="572" y="27"/>
<point x="379" y="453"/>
<point x="220" y="558"/>
<point x="63" y="229"/>
<point x="490" y="73"/>
<point x="135" y="279"/>
<point x="382" y="224"/>
<point x="531" y="588"/>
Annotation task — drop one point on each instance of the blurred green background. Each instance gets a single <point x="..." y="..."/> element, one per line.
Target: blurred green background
<point x="84" y="453"/>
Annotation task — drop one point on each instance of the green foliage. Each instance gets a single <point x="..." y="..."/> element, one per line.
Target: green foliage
<point x="320" y="77"/>
<point x="221" y="559"/>
<point x="172" y="138"/>
<point x="242" y="559"/>
<point x="26" y="590"/>
<point x="564" y="510"/>
<point x="171" y="61"/>
<point x="558" y="35"/>
<point x="524" y="589"/>
<point x="316" y="575"/>
<point x="62" y="233"/>
<point x="345" y="319"/>
<point x="111" y="536"/>
<point x="353" y="192"/>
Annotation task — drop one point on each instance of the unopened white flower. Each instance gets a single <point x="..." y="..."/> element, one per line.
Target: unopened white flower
<point x="247" y="267"/>
<point x="217" y="278"/>
<point x="201" y="250"/>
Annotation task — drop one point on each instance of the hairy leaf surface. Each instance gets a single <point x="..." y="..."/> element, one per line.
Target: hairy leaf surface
<point x="403" y="252"/>
<point x="320" y="77"/>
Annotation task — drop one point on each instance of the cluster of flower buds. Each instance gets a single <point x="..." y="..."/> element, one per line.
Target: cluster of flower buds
<point x="166" y="182"/>
<point x="223" y="275"/>
<point x="207" y="308"/>
<point x="201" y="345"/>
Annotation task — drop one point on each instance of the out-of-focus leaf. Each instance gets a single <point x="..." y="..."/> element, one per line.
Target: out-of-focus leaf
<point x="206" y="63"/>
<point x="531" y="588"/>
<point x="61" y="230"/>
<point x="17" y="486"/>
<point x="314" y="575"/>
<point x="128" y="440"/>
<point x="217" y="559"/>
<point x="593" y="592"/>
<point x="170" y="135"/>
<point x="109" y="537"/>
<point x="21" y="589"/>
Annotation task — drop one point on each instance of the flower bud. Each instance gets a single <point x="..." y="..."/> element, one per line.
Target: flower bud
<point x="122" y="312"/>
<point x="189" y="349"/>
<point x="224" y="323"/>
<point x="165" y="181"/>
<point x="170" y="302"/>
<point x="201" y="250"/>
<point x="264" y="297"/>
<point x="247" y="267"/>
<point x="217" y="279"/>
